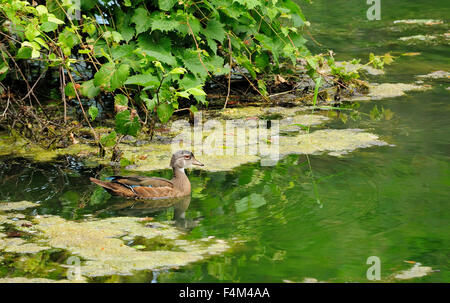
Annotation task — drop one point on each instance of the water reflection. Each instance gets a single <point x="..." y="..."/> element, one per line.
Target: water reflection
<point x="141" y="208"/>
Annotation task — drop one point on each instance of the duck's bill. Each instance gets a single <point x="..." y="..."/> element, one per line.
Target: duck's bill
<point x="196" y="162"/>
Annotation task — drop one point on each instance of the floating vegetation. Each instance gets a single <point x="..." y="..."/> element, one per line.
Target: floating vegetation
<point x="36" y="280"/>
<point x="416" y="271"/>
<point x="352" y="67"/>
<point x="103" y="244"/>
<point x="419" y="37"/>
<point x="389" y="90"/>
<point x="8" y="206"/>
<point x="440" y="74"/>
<point x="419" y="21"/>
<point x="99" y="243"/>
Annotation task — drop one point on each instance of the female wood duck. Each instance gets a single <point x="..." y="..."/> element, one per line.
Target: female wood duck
<point x="139" y="187"/>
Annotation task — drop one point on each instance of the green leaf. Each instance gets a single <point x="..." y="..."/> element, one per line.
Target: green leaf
<point x="192" y="63"/>
<point x="109" y="140"/>
<point x="126" y="126"/>
<point x="122" y="51"/>
<point x="68" y="39"/>
<point x="214" y="30"/>
<point x="93" y="112"/>
<point x="159" y="50"/>
<point x="69" y="90"/>
<point x="196" y="91"/>
<point x="143" y="80"/>
<point x="119" y="77"/>
<point x="41" y="10"/>
<point x="164" y="112"/>
<point x="121" y="100"/>
<point x="52" y="18"/>
<point x="124" y="27"/>
<point x="141" y="19"/>
<point x="88" y="89"/>
<point x="150" y="103"/>
<point x="193" y="109"/>
<point x="31" y="31"/>
<point x="166" y="5"/>
<point x="48" y="27"/>
<point x="24" y="53"/>
<point x="178" y="71"/>
<point x="111" y="77"/>
<point x="163" y="22"/>
<point x="250" y="4"/>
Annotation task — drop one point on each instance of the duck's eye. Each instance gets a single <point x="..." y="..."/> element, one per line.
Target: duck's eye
<point x="187" y="157"/>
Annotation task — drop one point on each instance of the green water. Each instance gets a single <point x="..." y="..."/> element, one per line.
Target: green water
<point x="390" y="201"/>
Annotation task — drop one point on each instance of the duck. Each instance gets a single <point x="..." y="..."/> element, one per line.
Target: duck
<point x="140" y="187"/>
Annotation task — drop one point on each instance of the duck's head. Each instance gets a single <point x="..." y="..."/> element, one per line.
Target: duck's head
<point x="183" y="159"/>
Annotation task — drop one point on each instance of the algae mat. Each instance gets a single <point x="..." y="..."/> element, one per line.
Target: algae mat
<point x="101" y="244"/>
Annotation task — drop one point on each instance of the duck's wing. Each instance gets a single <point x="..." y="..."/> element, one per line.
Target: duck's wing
<point x="141" y="181"/>
<point x="133" y="187"/>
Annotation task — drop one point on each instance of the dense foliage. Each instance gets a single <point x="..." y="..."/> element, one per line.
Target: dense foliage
<point x="147" y="54"/>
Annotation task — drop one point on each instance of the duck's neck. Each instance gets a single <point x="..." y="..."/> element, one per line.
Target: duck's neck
<point x="181" y="181"/>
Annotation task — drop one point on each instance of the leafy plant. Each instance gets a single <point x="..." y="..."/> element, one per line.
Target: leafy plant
<point x="149" y="54"/>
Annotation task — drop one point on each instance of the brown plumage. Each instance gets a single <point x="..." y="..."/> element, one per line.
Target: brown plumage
<point x="139" y="187"/>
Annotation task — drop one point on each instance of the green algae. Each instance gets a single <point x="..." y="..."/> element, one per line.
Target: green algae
<point x="8" y="206"/>
<point x="335" y="142"/>
<point x="98" y="242"/>
<point x="436" y="75"/>
<point x="417" y="271"/>
<point x="389" y="90"/>
<point x="36" y="280"/>
<point x="101" y="244"/>
<point x="428" y="22"/>
<point x="20" y="147"/>
<point x="226" y="149"/>
<point x="352" y="67"/>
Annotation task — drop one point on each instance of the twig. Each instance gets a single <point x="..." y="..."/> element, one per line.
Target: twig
<point x="7" y="104"/>
<point x="255" y="88"/>
<point x="62" y="81"/>
<point x="84" y="113"/>
<point x="196" y="45"/>
<point x="28" y="84"/>
<point x="34" y="85"/>
<point x="229" y="74"/>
